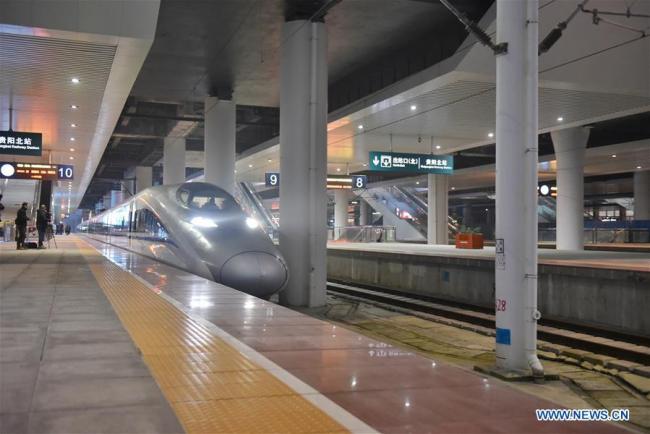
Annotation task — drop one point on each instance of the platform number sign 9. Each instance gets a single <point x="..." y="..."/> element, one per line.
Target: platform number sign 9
<point x="65" y="171"/>
<point x="272" y="179"/>
<point x="359" y="181"/>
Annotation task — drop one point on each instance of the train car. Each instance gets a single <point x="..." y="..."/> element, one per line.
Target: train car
<point x="200" y="228"/>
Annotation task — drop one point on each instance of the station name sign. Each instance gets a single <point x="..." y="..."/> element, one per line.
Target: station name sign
<point x="404" y="162"/>
<point x="20" y="143"/>
<point x="36" y="171"/>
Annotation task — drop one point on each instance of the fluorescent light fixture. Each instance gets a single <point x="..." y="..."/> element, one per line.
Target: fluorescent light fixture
<point x="73" y="125"/>
<point x="438" y="146"/>
<point x="74" y="106"/>
<point x="75" y="80"/>
<point x="252" y="223"/>
<point x="250" y="166"/>
<point x="71" y="149"/>
<point x="414" y="107"/>
<point x="417" y="182"/>
<point x="360" y="127"/>
<point x="560" y="119"/>
<point x="338" y="169"/>
<point x="72" y="158"/>
<point x="638" y="167"/>
<point x="490" y="135"/>
<point x="613" y="155"/>
<point x="203" y="222"/>
<point x="453" y="188"/>
<point x="72" y="139"/>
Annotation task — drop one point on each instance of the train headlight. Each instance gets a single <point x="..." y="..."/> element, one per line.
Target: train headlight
<point x="252" y="223"/>
<point x="203" y="222"/>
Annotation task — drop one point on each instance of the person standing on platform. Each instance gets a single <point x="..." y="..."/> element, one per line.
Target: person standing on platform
<point x="42" y="222"/>
<point x="21" y="227"/>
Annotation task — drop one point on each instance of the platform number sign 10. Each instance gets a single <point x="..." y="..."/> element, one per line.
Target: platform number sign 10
<point x="272" y="179"/>
<point x="65" y="171"/>
<point x="359" y="181"/>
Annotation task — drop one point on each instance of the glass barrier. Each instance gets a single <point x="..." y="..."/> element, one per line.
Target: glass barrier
<point x="362" y="234"/>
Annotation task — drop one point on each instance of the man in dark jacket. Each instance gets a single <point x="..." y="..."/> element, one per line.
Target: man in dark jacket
<point x="42" y="221"/>
<point x="21" y="227"/>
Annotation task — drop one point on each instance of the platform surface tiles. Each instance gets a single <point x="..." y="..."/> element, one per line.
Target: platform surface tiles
<point x="95" y="339"/>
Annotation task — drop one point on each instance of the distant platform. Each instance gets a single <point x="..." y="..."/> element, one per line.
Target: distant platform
<point x="96" y="338"/>
<point x="599" y="289"/>
<point x="614" y="260"/>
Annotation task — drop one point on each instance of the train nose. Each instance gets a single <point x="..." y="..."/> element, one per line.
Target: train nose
<point x="257" y="273"/>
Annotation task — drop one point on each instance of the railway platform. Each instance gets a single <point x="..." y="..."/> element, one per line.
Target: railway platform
<point x="98" y="339"/>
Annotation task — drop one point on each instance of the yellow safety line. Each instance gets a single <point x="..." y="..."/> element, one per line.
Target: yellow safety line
<point x="212" y="387"/>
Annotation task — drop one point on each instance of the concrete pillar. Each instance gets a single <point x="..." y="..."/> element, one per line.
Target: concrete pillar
<point x="467" y="214"/>
<point x="569" y="147"/>
<point x="363" y="212"/>
<point x="219" y="155"/>
<point x="642" y="195"/>
<point x="143" y="178"/>
<point x="438" y="209"/>
<point x="174" y="160"/>
<point x="516" y="187"/>
<point x="116" y="198"/>
<point x="106" y="201"/>
<point x="303" y="161"/>
<point x="341" y="200"/>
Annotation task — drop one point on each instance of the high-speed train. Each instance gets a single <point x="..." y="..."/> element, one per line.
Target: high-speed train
<point x="200" y="228"/>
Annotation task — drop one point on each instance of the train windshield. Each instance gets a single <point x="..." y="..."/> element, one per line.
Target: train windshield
<point x="205" y="197"/>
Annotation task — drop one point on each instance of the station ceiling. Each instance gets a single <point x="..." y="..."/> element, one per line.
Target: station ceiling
<point x="232" y="47"/>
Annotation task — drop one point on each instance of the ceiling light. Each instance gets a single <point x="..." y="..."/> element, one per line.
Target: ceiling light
<point x="490" y="135"/>
<point x="560" y="119"/>
<point x="613" y="155"/>
<point x="414" y="107"/>
<point x="438" y="146"/>
<point x="73" y="125"/>
<point x="71" y="149"/>
<point x="74" y="106"/>
<point x="72" y="158"/>
<point x="417" y="182"/>
<point x="453" y="188"/>
<point x="250" y="166"/>
<point x="638" y="167"/>
<point x="269" y="160"/>
<point x="360" y="127"/>
<point x="338" y="169"/>
<point x="75" y="80"/>
<point x="72" y="139"/>
<point x="365" y="164"/>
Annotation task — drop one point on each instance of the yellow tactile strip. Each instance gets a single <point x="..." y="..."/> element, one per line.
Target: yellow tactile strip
<point x="212" y="387"/>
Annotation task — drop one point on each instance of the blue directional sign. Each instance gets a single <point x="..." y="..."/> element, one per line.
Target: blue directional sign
<point x="359" y="181"/>
<point x="272" y="179"/>
<point x="405" y="162"/>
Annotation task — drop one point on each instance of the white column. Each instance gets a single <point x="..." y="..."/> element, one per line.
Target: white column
<point x="363" y="212"/>
<point x="569" y="147"/>
<point x="642" y="195"/>
<point x="220" y="126"/>
<point x="116" y="198"/>
<point x="341" y="199"/>
<point x="106" y="201"/>
<point x="438" y="209"/>
<point x="143" y="178"/>
<point x="303" y="161"/>
<point x="516" y="187"/>
<point x="174" y="160"/>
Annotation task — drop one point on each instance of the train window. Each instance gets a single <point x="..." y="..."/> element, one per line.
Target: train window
<point x="205" y="197"/>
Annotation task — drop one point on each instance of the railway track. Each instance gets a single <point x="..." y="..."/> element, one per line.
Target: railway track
<point x="605" y="342"/>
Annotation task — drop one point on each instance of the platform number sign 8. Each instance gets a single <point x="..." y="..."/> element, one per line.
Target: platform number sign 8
<point x="359" y="181"/>
<point x="272" y="179"/>
<point x="65" y="171"/>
